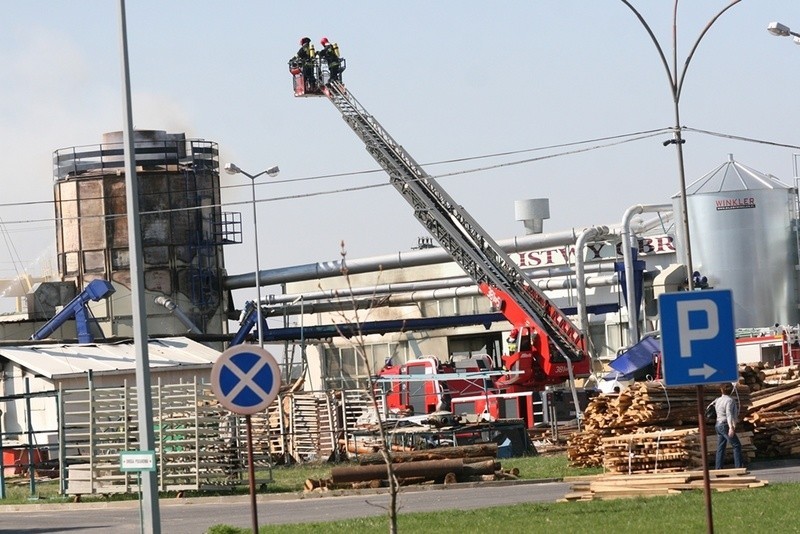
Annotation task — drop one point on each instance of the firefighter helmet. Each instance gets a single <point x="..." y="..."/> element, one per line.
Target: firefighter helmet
<point x="304" y="40"/>
<point x="323" y="41"/>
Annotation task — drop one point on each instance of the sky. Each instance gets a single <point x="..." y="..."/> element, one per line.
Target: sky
<point x="561" y="87"/>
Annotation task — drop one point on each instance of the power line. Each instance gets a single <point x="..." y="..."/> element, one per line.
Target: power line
<point x="614" y="141"/>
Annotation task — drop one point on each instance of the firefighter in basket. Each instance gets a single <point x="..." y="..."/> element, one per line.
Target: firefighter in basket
<point x="304" y="62"/>
<point x="330" y="55"/>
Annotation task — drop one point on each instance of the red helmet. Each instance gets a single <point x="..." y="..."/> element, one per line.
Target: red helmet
<point x="324" y="41"/>
<point x="304" y="40"/>
<point x="514" y="333"/>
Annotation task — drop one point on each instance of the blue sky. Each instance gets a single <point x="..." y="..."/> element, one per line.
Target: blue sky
<point x="447" y="79"/>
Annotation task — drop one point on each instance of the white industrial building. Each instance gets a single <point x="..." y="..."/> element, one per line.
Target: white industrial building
<point x="412" y="304"/>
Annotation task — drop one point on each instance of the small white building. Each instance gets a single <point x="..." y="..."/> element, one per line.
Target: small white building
<point x="43" y="368"/>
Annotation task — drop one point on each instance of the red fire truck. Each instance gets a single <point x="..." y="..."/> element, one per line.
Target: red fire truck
<point x="550" y="349"/>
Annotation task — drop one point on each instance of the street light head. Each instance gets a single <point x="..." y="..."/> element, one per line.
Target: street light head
<point x="231" y="168"/>
<point x="273" y="171"/>
<point x="796" y="40"/>
<point x="778" y="29"/>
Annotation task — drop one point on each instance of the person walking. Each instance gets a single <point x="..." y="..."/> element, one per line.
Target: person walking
<point x="727" y="413"/>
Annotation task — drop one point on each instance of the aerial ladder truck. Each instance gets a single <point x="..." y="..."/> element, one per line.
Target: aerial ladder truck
<point x="550" y="348"/>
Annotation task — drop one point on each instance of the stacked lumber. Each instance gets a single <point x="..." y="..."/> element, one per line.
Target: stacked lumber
<point x="775" y="417"/>
<point x="753" y="376"/>
<point x="616" y="486"/>
<point x="446" y="465"/>
<point x="644" y="407"/>
<point x="781" y="374"/>
<point x="481" y="450"/>
<point x="652" y="452"/>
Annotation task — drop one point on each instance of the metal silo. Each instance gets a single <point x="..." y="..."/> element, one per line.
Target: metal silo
<point x="181" y="222"/>
<point x="742" y="233"/>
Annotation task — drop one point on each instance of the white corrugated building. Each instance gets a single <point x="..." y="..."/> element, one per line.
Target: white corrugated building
<point x="54" y="367"/>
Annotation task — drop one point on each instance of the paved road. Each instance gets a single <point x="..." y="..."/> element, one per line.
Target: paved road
<point x="194" y="516"/>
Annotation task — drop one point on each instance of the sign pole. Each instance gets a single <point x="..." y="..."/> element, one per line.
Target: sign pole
<point x="141" y="508"/>
<point x="245" y="381"/>
<point x="701" y="417"/>
<point x="138" y="461"/>
<point x="698" y="343"/>
<point x="251" y="473"/>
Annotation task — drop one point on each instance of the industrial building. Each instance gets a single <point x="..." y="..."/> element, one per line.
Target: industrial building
<point x="396" y="308"/>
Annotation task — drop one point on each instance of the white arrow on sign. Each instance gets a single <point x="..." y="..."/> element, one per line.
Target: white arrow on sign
<point x="704" y="371"/>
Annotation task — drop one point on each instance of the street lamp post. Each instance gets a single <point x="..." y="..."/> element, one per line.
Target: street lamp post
<point x="232" y="168"/>
<point x="782" y="30"/>
<point x="676" y="80"/>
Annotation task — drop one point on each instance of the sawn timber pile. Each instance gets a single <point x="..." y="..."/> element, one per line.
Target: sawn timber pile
<point x="616" y="486"/>
<point x="446" y="465"/>
<point x="775" y="417"/>
<point x="646" y="411"/>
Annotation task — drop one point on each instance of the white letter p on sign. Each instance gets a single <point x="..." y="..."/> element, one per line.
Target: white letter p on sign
<point x="686" y="333"/>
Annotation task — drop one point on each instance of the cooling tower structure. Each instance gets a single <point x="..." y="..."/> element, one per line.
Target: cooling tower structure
<point x="742" y="228"/>
<point x="182" y="225"/>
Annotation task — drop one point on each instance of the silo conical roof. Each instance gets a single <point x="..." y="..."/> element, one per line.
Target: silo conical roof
<point x="733" y="176"/>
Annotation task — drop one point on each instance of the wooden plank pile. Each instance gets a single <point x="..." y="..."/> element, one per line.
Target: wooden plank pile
<point x="617" y="486"/>
<point x="644" y="408"/>
<point x="759" y="375"/>
<point x="667" y="450"/>
<point x="445" y="465"/>
<point x="775" y="417"/>
<point x="781" y="374"/>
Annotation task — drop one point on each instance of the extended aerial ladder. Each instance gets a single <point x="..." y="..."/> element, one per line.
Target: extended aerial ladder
<point x="558" y="346"/>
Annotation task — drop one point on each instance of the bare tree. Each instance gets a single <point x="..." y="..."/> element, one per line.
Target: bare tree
<point x="357" y="339"/>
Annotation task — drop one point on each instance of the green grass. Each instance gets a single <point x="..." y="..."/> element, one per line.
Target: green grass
<point x="768" y="510"/>
<point x="546" y="466"/>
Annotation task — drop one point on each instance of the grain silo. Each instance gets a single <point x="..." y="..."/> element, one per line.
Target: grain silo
<point x="743" y="238"/>
<point x="183" y="229"/>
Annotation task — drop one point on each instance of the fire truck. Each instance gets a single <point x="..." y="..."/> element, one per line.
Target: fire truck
<point x="550" y="349"/>
<point x="778" y="345"/>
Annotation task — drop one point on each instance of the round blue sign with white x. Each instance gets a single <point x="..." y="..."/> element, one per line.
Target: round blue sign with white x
<point x="245" y="379"/>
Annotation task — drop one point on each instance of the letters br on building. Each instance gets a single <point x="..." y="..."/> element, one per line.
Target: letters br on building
<point x="698" y="339"/>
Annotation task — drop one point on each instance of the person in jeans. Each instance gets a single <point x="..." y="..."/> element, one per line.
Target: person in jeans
<point x="727" y="413"/>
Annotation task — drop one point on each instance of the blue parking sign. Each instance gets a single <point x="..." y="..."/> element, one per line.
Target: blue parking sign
<point x="698" y="340"/>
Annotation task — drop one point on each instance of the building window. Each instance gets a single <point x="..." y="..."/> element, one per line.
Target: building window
<point x="464" y="347"/>
<point x="345" y="367"/>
